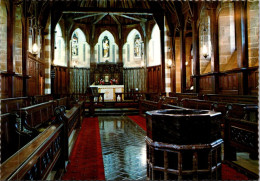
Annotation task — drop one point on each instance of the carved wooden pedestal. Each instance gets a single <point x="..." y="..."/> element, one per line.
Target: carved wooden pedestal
<point x="183" y="144"/>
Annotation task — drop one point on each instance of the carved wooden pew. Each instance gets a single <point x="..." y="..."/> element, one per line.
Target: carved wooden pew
<point x="42" y="98"/>
<point x="72" y="121"/>
<point x="151" y="102"/>
<point x="36" y="159"/>
<point x="241" y="130"/>
<point x="185" y="95"/>
<point x="10" y="104"/>
<point x="197" y="104"/>
<point x="9" y="144"/>
<point x="39" y="114"/>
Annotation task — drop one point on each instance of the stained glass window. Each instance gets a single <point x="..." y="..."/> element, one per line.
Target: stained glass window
<point x="105" y="47"/>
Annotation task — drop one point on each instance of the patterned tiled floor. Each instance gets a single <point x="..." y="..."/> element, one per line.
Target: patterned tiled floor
<point x="123" y="148"/>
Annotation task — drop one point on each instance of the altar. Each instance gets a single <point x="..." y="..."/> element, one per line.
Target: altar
<point x="109" y="91"/>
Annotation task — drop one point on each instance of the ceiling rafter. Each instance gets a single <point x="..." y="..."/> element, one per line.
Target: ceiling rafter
<point x="87" y="16"/>
<point x="115" y="19"/>
<point x="133" y="18"/>
<point x="100" y="17"/>
<point x="138" y="11"/>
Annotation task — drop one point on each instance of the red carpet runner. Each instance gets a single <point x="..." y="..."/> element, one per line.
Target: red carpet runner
<point x="86" y="157"/>
<point x="228" y="173"/>
<point x="140" y="120"/>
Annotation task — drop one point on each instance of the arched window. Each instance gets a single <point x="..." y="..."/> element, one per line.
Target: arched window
<point x="204" y="42"/>
<point x="155" y="47"/>
<point x="106" y="49"/>
<point x="133" y="50"/>
<point x="17" y="53"/>
<point x="253" y="32"/>
<point x="80" y="50"/>
<point x="3" y="35"/>
<point x="226" y="41"/>
<point x="59" y="53"/>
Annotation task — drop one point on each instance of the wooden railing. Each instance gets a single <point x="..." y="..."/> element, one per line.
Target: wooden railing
<point x="36" y="159"/>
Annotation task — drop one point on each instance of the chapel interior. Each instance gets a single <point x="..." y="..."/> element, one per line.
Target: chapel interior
<point x="129" y="90"/>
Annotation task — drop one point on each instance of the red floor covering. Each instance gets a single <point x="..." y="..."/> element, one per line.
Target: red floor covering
<point x="229" y="173"/>
<point x="140" y="120"/>
<point x="86" y="157"/>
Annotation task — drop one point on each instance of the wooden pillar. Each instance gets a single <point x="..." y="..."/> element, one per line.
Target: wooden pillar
<point x="92" y="46"/>
<point x="183" y="59"/>
<point x="241" y="45"/>
<point x="145" y="51"/>
<point x="120" y="45"/>
<point x="196" y="54"/>
<point x="10" y="48"/>
<point x="159" y="17"/>
<point x="214" y="47"/>
<point x="52" y="47"/>
<point x="173" y="67"/>
<point x="25" y="32"/>
<point x="67" y="45"/>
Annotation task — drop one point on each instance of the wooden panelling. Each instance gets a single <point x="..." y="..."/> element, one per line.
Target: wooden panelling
<point x="36" y="73"/>
<point x="18" y="86"/>
<point x="4" y="86"/>
<point x="253" y="77"/>
<point x="61" y="80"/>
<point x="206" y="84"/>
<point x="154" y="77"/>
<point x="228" y="83"/>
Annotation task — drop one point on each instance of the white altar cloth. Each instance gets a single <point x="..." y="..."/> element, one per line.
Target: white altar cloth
<point x="109" y="91"/>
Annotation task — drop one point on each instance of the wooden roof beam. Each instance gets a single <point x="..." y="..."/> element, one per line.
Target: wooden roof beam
<point x="138" y="11"/>
<point x="87" y="16"/>
<point x="100" y="18"/>
<point x="129" y="17"/>
<point x="115" y="19"/>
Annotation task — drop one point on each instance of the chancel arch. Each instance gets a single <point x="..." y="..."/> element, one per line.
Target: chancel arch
<point x="133" y="50"/>
<point x="106" y="49"/>
<point x="79" y="49"/>
<point x="155" y="47"/>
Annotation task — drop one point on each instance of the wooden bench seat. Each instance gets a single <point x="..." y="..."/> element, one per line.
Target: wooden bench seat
<point x="181" y="96"/>
<point x="39" y="114"/>
<point x="10" y="104"/>
<point x="42" y="98"/>
<point x="241" y="130"/>
<point x="35" y="160"/>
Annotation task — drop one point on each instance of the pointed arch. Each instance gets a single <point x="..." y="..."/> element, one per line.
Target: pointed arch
<point x="59" y="52"/>
<point x="133" y="50"/>
<point x="106" y="48"/>
<point x="154" y="47"/>
<point x="79" y="49"/>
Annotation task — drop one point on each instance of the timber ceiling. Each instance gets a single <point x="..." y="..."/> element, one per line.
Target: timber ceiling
<point x="112" y="12"/>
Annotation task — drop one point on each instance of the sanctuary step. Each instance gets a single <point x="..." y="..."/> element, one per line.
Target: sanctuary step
<point x="116" y="111"/>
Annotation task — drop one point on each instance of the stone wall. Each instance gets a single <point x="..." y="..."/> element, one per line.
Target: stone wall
<point x="47" y="58"/>
<point x="3" y="36"/>
<point x="17" y="53"/>
<point x="226" y="25"/>
<point x="253" y="32"/>
<point x="168" y="57"/>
